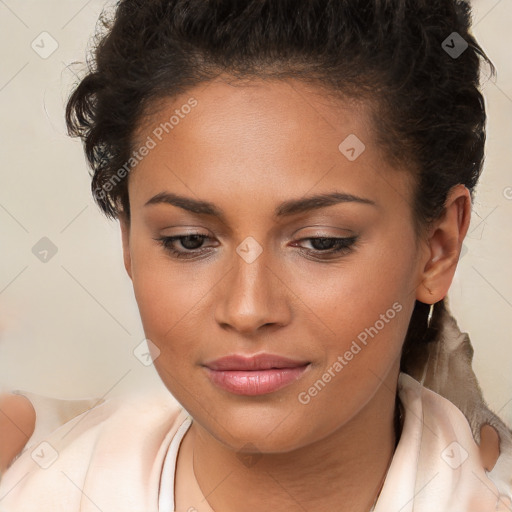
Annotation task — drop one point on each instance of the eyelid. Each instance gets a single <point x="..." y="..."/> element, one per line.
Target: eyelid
<point x="323" y="231"/>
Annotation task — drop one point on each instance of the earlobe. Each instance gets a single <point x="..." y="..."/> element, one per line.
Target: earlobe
<point x="444" y="245"/>
<point x="489" y="446"/>
<point x="124" y="224"/>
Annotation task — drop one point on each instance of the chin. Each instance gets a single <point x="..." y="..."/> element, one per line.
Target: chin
<point x="257" y="428"/>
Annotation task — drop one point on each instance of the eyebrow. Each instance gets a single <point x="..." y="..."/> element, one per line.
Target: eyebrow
<point x="285" y="209"/>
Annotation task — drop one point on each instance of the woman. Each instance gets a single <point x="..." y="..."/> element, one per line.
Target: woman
<point x="293" y="182"/>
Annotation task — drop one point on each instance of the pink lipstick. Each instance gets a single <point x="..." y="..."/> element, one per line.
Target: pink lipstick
<point x="255" y="375"/>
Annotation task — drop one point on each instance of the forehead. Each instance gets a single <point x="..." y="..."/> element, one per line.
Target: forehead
<point x="260" y="138"/>
<point x="255" y="105"/>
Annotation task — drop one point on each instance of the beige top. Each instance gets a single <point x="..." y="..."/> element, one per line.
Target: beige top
<point x="132" y="454"/>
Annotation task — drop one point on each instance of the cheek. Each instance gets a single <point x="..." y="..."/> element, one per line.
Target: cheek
<point x="365" y="310"/>
<point x="168" y="297"/>
<point x="168" y="304"/>
<point x="351" y="296"/>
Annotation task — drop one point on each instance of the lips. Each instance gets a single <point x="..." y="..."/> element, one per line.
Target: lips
<point x="258" y="362"/>
<point x="256" y="375"/>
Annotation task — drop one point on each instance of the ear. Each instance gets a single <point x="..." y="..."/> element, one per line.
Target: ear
<point x="124" y="223"/>
<point x="444" y="245"/>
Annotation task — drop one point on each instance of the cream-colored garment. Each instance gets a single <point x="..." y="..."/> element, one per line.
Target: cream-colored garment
<point x="121" y="456"/>
<point x="435" y="468"/>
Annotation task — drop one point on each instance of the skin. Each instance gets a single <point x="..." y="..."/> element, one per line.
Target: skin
<point x="247" y="147"/>
<point x="17" y="424"/>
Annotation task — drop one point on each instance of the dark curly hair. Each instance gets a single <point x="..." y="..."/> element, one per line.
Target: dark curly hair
<point x="415" y="62"/>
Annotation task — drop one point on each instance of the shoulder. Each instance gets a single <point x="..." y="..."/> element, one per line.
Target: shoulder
<point x="17" y="420"/>
<point x="125" y="437"/>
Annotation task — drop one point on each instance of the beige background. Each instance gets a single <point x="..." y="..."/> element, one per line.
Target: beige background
<point x="68" y="327"/>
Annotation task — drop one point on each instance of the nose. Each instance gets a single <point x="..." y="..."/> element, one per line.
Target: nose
<point x="252" y="297"/>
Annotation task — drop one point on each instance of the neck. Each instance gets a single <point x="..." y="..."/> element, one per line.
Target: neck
<point x="344" y="471"/>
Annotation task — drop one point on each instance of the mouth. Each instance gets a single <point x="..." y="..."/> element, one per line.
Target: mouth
<point x="255" y="375"/>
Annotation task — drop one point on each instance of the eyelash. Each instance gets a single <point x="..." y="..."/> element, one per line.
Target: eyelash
<point x="344" y="246"/>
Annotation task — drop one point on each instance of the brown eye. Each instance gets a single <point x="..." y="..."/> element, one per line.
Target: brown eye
<point x="190" y="244"/>
<point x="329" y="246"/>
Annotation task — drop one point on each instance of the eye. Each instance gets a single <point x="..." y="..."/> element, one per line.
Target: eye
<point x="326" y="247"/>
<point x="191" y="243"/>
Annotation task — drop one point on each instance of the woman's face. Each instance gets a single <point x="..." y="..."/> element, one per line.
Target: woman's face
<point x="240" y="164"/>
